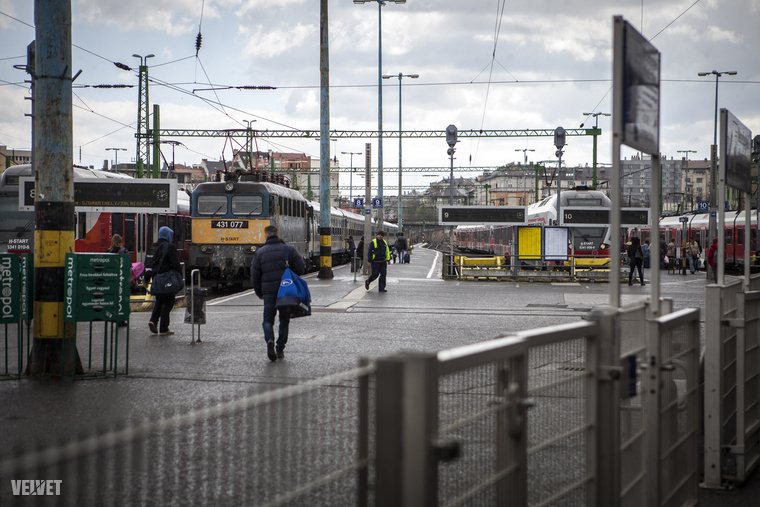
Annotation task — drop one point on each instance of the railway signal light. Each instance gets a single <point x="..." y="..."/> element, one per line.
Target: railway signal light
<point x="451" y="135"/>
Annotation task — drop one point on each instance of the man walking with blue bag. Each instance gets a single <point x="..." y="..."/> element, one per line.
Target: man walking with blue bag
<point x="267" y="267"/>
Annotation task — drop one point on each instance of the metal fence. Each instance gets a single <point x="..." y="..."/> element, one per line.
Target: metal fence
<point x="597" y="412"/>
<point x="308" y="444"/>
<point x="732" y="382"/>
<point x="531" y="419"/>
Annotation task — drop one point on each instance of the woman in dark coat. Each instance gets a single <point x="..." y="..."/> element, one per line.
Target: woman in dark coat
<point x="635" y="259"/>
<point x="164" y="258"/>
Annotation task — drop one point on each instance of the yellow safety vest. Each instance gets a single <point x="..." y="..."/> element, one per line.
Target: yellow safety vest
<point x="374" y="251"/>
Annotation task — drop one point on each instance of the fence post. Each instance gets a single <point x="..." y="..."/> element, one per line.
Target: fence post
<point x="604" y="454"/>
<point x="651" y="405"/>
<point x="407" y="420"/>
<point x="713" y="389"/>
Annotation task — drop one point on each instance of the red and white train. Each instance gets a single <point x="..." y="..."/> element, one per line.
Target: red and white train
<point x="93" y="229"/>
<point x="697" y="226"/>
<point x="590" y="244"/>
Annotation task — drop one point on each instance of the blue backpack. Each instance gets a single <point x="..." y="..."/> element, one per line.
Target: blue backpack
<point x="293" y="297"/>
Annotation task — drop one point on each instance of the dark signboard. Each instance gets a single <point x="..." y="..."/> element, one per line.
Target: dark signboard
<point x="475" y="215"/>
<point x="736" y="139"/>
<point x="114" y="195"/>
<point x="636" y="84"/>
<point x="629" y="217"/>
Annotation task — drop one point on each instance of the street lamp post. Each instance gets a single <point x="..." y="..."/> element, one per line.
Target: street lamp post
<point x="400" y="75"/>
<point x="380" y="4"/>
<point x="351" y="178"/>
<point x="713" y="152"/>
<point x="116" y="156"/>
<point x="525" y="167"/>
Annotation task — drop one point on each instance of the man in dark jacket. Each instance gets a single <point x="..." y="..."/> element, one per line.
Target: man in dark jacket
<point x="378" y="254"/>
<point x="267" y="268"/>
<point x="401" y="247"/>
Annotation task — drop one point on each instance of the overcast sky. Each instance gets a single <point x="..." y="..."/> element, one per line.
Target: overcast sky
<point x="490" y="64"/>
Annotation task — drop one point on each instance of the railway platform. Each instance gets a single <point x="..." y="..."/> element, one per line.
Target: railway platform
<point x="419" y="313"/>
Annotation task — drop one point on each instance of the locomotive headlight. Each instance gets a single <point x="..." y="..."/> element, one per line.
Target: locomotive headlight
<point x="207" y="249"/>
<point x="253" y="248"/>
<point x="602" y="246"/>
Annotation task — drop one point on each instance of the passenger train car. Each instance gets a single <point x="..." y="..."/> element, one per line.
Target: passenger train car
<point x="590" y="244"/>
<point x="697" y="225"/>
<point x="93" y="229"/>
<point x="229" y="220"/>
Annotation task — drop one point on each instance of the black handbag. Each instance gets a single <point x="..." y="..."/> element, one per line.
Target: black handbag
<point x="167" y="283"/>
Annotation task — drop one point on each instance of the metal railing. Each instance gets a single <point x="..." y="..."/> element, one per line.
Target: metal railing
<point x="538" y="418"/>
<point x="732" y="382"/>
<point x="307" y="443"/>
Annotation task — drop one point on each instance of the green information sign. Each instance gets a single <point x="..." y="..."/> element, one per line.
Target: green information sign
<point x="96" y="287"/>
<point x="10" y="289"/>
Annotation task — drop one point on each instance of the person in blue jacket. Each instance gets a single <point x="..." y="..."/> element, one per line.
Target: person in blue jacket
<point x="267" y="267"/>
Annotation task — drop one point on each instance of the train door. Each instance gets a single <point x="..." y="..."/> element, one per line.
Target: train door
<point x="129" y="234"/>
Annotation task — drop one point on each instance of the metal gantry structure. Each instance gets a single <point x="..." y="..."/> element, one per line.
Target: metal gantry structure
<point x="390" y="134"/>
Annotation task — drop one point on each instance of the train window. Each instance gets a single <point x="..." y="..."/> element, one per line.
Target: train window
<point x="179" y="237"/>
<point x="211" y="205"/>
<point x="752" y="238"/>
<point x="728" y="236"/>
<point x="129" y="232"/>
<point x="82" y="225"/>
<point x="247" y="205"/>
<point x="188" y="230"/>
<point x="739" y="236"/>
<point x="117" y="225"/>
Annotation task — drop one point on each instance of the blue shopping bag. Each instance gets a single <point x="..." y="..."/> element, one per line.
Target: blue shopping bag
<point x="293" y="297"/>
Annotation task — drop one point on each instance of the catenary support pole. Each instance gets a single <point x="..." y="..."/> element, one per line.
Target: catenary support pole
<point x="54" y="202"/>
<point x="325" y="237"/>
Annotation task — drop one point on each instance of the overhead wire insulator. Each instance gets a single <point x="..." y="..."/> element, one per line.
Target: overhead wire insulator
<point x="198" y="40"/>
<point x="252" y="87"/>
<point x="122" y="66"/>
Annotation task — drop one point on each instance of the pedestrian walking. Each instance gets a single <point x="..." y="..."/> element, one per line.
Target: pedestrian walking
<point x="267" y="267"/>
<point x="635" y="259"/>
<point x="164" y="259"/>
<point x="401" y="246"/>
<point x="645" y="249"/>
<point x="360" y="249"/>
<point x="671" y="253"/>
<point x="693" y="251"/>
<point x="663" y="250"/>
<point x="379" y="255"/>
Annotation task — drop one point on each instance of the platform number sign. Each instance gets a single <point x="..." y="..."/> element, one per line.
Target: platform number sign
<point x="377" y="203"/>
<point x="703" y="206"/>
<point x="359" y="202"/>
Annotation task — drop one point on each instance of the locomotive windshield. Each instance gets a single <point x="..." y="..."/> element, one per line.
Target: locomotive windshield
<point x="588" y="238"/>
<point x="247" y="205"/>
<point x="212" y="205"/>
<point x="584" y="201"/>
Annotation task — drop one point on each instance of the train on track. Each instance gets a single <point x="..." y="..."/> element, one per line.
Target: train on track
<point x="228" y="221"/>
<point x="589" y="244"/>
<point x="216" y="230"/>
<point x="697" y="225"/>
<point x="93" y="229"/>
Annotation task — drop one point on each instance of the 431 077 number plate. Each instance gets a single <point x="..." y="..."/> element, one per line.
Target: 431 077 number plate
<point x="229" y="224"/>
